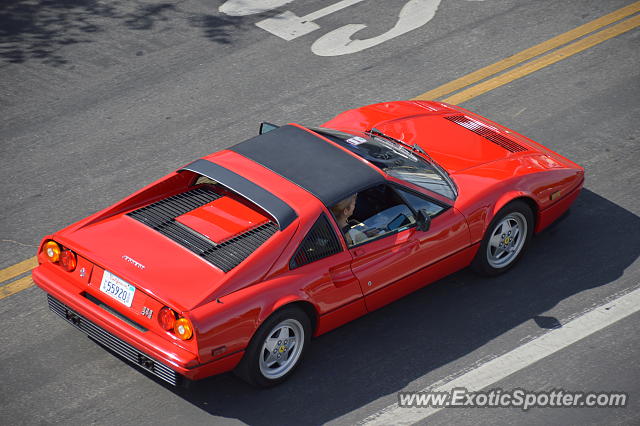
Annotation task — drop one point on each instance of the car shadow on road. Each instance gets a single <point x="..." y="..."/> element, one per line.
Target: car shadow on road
<point x="382" y="352"/>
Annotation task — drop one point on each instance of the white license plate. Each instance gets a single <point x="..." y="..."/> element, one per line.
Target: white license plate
<point x="117" y="288"/>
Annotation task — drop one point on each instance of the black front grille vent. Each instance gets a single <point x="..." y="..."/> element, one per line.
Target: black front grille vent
<point x="487" y="133"/>
<point x="319" y="243"/>
<point x="226" y="255"/>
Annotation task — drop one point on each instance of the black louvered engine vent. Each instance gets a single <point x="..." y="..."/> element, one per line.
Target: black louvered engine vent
<point x="226" y="255"/>
<point x="487" y="133"/>
<point x="320" y="242"/>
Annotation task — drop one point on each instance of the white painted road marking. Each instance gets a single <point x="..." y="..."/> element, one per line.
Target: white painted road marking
<point x="250" y="7"/>
<point x="518" y="359"/>
<point x="289" y="26"/>
<point x="413" y="15"/>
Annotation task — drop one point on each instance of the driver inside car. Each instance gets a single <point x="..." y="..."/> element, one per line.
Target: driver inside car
<point x="352" y="230"/>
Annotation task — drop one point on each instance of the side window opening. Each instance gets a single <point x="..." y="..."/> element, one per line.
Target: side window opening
<point x="417" y="203"/>
<point x="319" y="243"/>
<point x="372" y="213"/>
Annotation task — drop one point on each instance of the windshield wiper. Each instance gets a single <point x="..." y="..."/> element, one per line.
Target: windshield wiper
<point x="414" y="147"/>
<point x="417" y="148"/>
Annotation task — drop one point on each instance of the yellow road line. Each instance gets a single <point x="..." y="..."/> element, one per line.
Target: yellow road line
<point x="530" y="53"/>
<point x="15" y="287"/>
<point x="18" y="269"/>
<point x="545" y="60"/>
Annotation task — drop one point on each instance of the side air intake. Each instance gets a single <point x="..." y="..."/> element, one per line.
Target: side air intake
<point x="487" y="133"/>
<point x="319" y="243"/>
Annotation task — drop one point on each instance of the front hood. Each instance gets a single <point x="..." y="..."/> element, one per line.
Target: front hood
<point x="147" y="259"/>
<point x="455" y="142"/>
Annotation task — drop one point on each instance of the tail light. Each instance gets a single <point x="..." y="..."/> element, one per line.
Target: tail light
<point x="52" y="251"/>
<point x="60" y="255"/>
<point x="183" y="329"/>
<point x="167" y="318"/>
<point x="170" y="321"/>
<point x="68" y="260"/>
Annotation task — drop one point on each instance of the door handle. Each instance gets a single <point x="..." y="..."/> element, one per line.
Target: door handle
<point x="342" y="276"/>
<point x="358" y="252"/>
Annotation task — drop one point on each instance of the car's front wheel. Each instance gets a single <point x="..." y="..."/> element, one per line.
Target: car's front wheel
<point x="276" y="348"/>
<point x="506" y="239"/>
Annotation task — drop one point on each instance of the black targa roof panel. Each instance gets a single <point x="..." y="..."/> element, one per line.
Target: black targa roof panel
<point x="328" y="172"/>
<point x="280" y="210"/>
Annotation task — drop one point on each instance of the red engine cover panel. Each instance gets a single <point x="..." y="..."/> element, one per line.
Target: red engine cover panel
<point x="222" y="219"/>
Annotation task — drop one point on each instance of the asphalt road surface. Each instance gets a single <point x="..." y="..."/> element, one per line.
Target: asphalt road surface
<point x="98" y="98"/>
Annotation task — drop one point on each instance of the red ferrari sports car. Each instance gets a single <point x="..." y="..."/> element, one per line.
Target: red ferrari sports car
<point x="234" y="261"/>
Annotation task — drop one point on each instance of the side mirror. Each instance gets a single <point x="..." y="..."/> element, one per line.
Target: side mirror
<point x="267" y="127"/>
<point x="423" y="220"/>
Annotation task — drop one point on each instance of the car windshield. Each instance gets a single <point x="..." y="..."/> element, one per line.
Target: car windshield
<point x="395" y="160"/>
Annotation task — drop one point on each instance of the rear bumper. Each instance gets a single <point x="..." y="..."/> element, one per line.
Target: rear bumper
<point x="151" y="352"/>
<point x="110" y="341"/>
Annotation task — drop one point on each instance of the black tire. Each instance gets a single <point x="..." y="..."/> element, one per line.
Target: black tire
<point x="250" y="369"/>
<point x="487" y="264"/>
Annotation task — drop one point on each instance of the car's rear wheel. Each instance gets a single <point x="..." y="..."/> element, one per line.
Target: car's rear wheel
<point x="276" y="349"/>
<point x="506" y="239"/>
